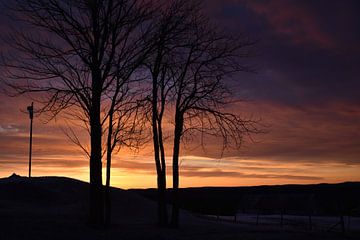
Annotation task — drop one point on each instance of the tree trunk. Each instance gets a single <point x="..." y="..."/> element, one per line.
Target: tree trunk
<point x="96" y="195"/>
<point x="96" y="187"/>
<point x="179" y="121"/>
<point x="163" y="217"/>
<point x="161" y="177"/>
<point x="108" y="171"/>
<point x="164" y="214"/>
<point x="161" y="181"/>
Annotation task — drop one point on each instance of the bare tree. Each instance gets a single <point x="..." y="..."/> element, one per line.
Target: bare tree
<point x="189" y="71"/>
<point x="169" y="26"/>
<point x="75" y="58"/>
<point x="201" y="95"/>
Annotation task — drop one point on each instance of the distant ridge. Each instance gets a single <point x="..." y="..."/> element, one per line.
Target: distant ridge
<point x="63" y="191"/>
<point x="298" y="199"/>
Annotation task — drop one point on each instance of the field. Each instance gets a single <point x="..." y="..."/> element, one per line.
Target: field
<point x="56" y="208"/>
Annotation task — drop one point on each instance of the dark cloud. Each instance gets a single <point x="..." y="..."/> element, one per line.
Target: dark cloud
<point x="56" y="162"/>
<point x="309" y="49"/>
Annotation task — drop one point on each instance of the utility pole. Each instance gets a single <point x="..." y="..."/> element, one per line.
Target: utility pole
<point x="31" y="115"/>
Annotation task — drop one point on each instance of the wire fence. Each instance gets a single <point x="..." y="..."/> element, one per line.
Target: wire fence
<point x="337" y="224"/>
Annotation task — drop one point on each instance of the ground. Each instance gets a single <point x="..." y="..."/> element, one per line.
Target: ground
<point x="56" y="208"/>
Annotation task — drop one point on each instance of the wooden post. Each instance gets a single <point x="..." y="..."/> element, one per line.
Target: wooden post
<point x="31" y="115"/>
<point x="342" y="223"/>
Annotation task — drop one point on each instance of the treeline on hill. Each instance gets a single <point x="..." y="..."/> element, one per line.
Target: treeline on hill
<point x="319" y="199"/>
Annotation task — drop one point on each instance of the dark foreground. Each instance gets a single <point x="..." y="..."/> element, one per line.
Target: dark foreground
<point x="56" y="208"/>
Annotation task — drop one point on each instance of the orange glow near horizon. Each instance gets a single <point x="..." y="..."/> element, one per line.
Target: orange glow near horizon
<point x="218" y="173"/>
<point x="299" y="149"/>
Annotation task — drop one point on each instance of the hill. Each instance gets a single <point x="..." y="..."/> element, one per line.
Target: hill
<point x="56" y="208"/>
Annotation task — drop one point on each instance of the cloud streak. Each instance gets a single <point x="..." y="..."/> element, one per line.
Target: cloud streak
<point x="233" y="174"/>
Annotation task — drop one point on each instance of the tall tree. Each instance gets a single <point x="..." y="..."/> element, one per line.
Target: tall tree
<point x="191" y="62"/>
<point x="201" y="94"/>
<point x="168" y="29"/>
<point x="69" y="56"/>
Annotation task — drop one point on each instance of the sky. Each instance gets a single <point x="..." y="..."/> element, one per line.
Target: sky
<point x="305" y="91"/>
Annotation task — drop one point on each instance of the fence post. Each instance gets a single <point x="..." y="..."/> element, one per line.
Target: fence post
<point x="342" y="224"/>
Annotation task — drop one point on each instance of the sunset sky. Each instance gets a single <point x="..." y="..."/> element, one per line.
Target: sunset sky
<point x="306" y="91"/>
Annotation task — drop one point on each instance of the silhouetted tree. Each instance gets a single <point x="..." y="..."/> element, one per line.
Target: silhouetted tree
<point x="192" y="62"/>
<point x="76" y="56"/>
<point x="168" y="31"/>
<point x="201" y="94"/>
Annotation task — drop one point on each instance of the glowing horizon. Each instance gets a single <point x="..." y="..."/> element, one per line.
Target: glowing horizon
<point x="217" y="176"/>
